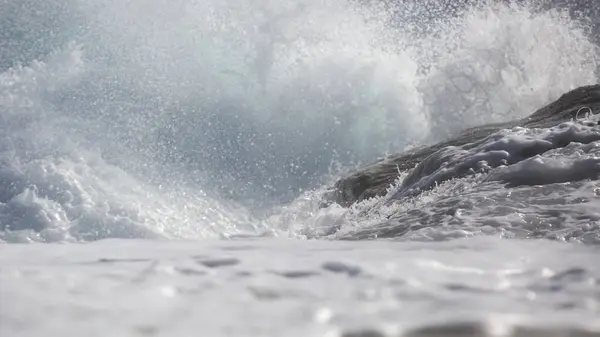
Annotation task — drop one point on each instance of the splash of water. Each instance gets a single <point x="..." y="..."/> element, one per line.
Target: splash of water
<point x="147" y="113"/>
<point x="502" y="62"/>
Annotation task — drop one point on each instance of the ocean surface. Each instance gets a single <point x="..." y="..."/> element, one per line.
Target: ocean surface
<point x="164" y="163"/>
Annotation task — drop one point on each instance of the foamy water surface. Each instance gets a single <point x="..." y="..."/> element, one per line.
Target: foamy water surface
<point x="222" y="123"/>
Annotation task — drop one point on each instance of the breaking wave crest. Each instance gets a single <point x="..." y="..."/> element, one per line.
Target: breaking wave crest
<point x="184" y="119"/>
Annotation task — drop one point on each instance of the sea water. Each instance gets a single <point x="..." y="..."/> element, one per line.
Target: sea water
<point x="167" y="162"/>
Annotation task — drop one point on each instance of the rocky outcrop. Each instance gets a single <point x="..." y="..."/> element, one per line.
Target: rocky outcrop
<point x="374" y="180"/>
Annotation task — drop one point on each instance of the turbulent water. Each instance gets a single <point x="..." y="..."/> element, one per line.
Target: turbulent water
<point x="203" y="120"/>
<point x="283" y="287"/>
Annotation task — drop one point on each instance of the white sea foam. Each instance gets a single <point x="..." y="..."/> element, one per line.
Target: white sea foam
<point x="157" y="115"/>
<point x="517" y="183"/>
<point x="130" y="120"/>
<point x="502" y="62"/>
<point x="278" y="287"/>
<point x="55" y="189"/>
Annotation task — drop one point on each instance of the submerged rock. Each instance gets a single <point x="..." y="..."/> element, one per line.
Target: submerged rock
<point x="427" y="164"/>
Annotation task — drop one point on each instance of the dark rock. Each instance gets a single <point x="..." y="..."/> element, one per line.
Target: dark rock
<point x="374" y="180"/>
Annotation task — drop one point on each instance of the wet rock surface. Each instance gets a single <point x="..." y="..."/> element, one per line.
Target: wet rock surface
<point x="374" y="180"/>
